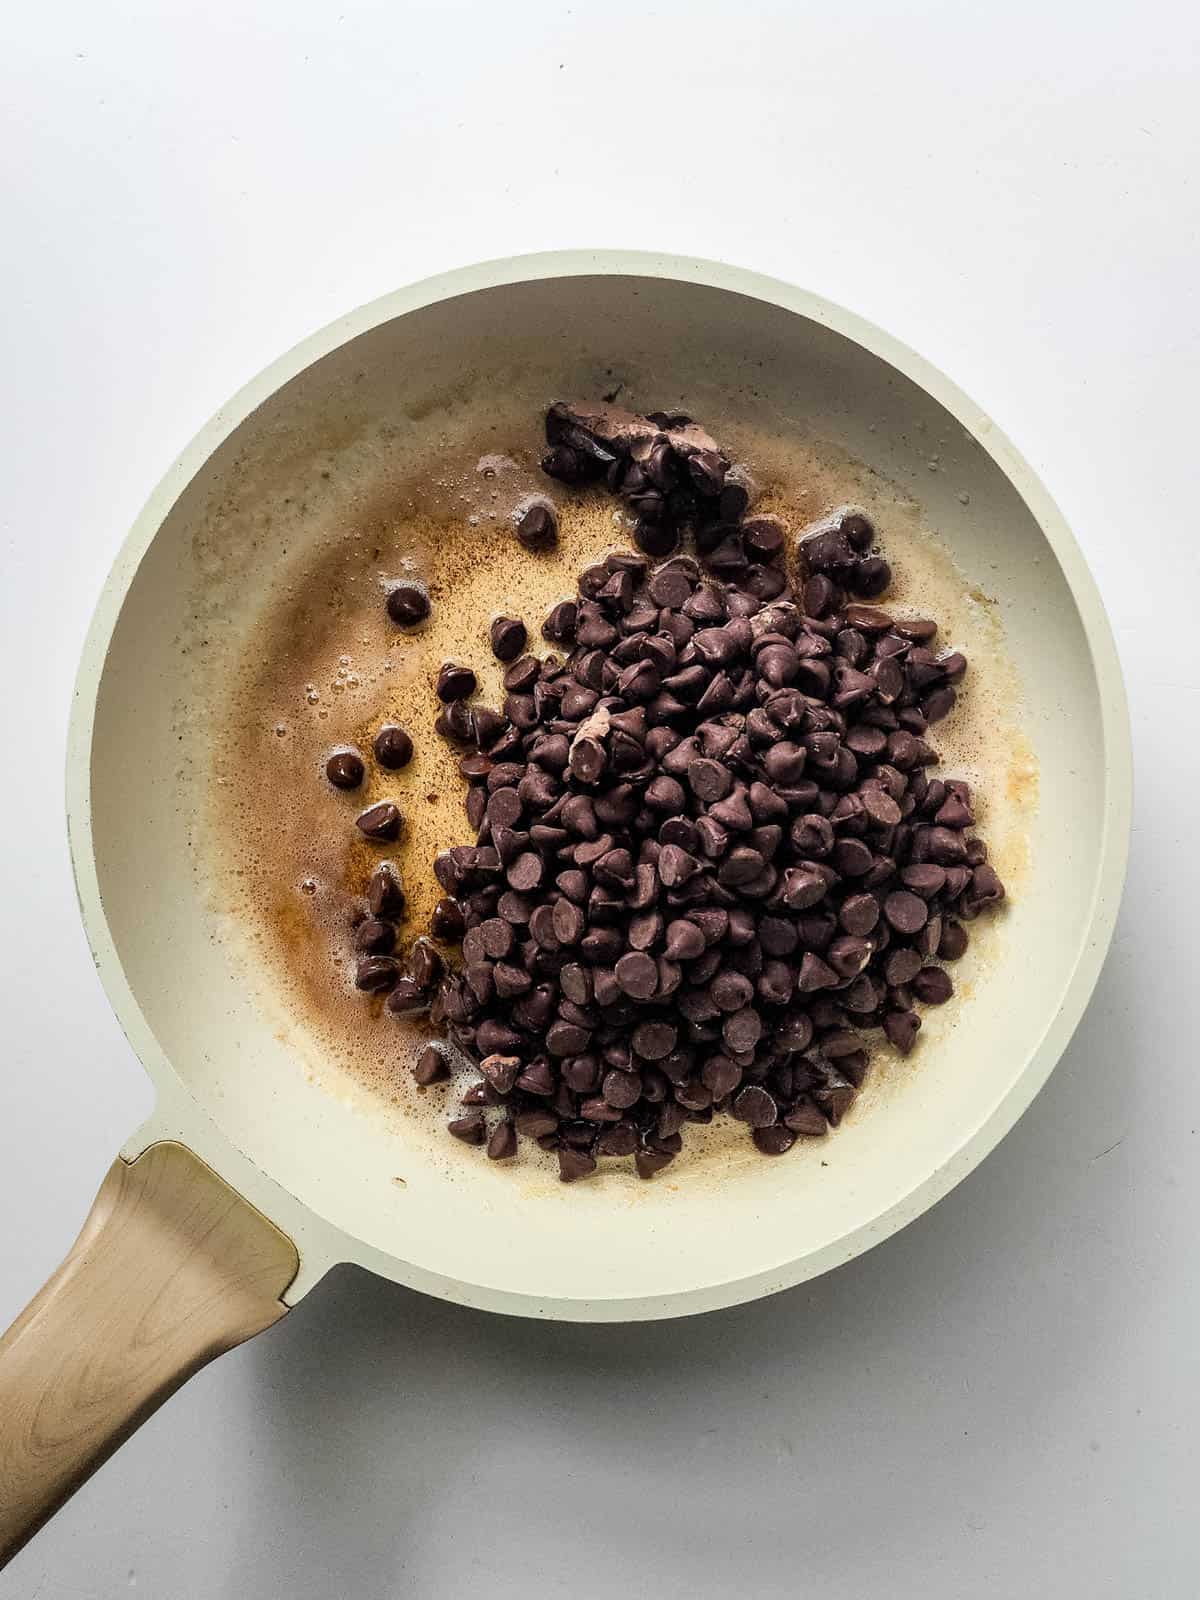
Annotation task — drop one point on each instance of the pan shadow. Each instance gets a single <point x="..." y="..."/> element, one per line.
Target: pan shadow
<point x="414" y="1440"/>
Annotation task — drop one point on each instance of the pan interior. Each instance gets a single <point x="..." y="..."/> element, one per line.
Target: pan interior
<point x="367" y="459"/>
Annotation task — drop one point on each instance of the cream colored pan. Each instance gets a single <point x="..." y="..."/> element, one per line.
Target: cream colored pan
<point x="252" y="1177"/>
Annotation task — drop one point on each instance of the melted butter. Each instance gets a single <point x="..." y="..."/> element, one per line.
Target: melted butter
<point x="317" y="664"/>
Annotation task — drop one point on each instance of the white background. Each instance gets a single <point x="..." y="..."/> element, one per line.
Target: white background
<point x="1002" y="1400"/>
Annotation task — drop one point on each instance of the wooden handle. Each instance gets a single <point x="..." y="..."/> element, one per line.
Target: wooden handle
<point x="172" y="1268"/>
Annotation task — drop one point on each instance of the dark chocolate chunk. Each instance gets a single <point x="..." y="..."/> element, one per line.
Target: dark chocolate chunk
<point x="537" y="527"/>
<point x="508" y="638"/>
<point x="393" y="748"/>
<point x="455" y="682"/>
<point x="380" y="823"/>
<point x="345" y="769"/>
<point x="408" y="604"/>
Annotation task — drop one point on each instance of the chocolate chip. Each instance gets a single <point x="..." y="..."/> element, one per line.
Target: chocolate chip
<point x="568" y="465"/>
<point x="858" y="529"/>
<point x="385" y="893"/>
<point x="815" y="974"/>
<point x="393" y="748"/>
<point x="775" y="1140"/>
<point x="829" y="553"/>
<point x="708" y="780"/>
<point x="588" y="759"/>
<point x="446" y="921"/>
<point x="812" y="835"/>
<point x="901" y="1028"/>
<point x="559" y="626"/>
<point x="537" y="1078"/>
<point x="754" y="1106"/>
<point x="835" y="1096"/>
<point x="901" y="967"/>
<point x="656" y="538"/>
<point x="853" y="858"/>
<point x="654" y="1040"/>
<point x="731" y="990"/>
<point x="925" y="879"/>
<point x="859" y="913"/>
<point x="537" y="527"/>
<point x="471" y="1129"/>
<point x="456" y="722"/>
<point x="536" y="1123"/>
<point x="502" y="1144"/>
<point x="376" y="973"/>
<point x="526" y="872"/>
<point x="784" y="762"/>
<point x="871" y="577"/>
<point x="867" y="619"/>
<point x="684" y="941"/>
<point x="496" y="936"/>
<point x="508" y="638"/>
<point x="707" y="470"/>
<point x="574" y="1164"/>
<point x="621" y="1089"/>
<point x="777" y="665"/>
<point x="954" y="812"/>
<point x="933" y="986"/>
<point x="986" y="888"/>
<point x="567" y="1039"/>
<point x="671" y="586"/>
<point x="568" y="922"/>
<point x="455" y="682"/>
<point x="879" y="806"/>
<point x="867" y="742"/>
<point x="740" y="867"/>
<point x="849" y="955"/>
<point x="423" y="964"/>
<point x="619" y="1140"/>
<point x="345" y="769"/>
<point x="742" y="1030"/>
<point x="819" y="595"/>
<point x="431" y="1067"/>
<point x="945" y="846"/>
<point x="763" y="538"/>
<point x="374" y="937"/>
<point x="889" y="679"/>
<point x="806" y="1119"/>
<point x="648" y="1163"/>
<point x="501" y="1072"/>
<point x="676" y="866"/>
<point x="381" y="822"/>
<point x="522" y="675"/>
<point x="804" y="887"/>
<point x="408" y="604"/>
<point x="905" y="912"/>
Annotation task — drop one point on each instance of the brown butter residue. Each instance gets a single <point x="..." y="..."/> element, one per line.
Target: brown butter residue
<point x="323" y="665"/>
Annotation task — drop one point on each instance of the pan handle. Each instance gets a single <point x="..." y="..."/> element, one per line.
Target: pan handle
<point x="172" y="1268"/>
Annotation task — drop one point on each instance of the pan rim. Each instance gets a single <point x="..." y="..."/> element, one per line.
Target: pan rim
<point x="326" y="1243"/>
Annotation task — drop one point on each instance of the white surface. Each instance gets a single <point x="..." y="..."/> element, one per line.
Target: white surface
<point x="1005" y="1394"/>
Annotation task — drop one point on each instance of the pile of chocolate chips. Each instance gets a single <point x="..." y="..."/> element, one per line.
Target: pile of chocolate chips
<point x="710" y="855"/>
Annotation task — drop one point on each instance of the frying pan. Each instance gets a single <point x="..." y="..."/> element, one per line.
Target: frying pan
<point x="251" y="1178"/>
